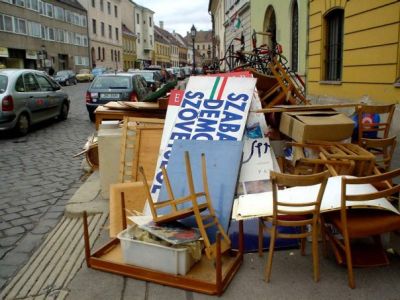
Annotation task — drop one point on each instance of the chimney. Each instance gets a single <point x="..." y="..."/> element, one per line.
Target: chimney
<point x="162" y="24"/>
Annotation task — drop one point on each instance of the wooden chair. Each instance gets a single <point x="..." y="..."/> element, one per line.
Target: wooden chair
<point x="382" y="149"/>
<point x="293" y="215"/>
<point x="379" y="129"/>
<point x="359" y="223"/>
<point x="198" y="202"/>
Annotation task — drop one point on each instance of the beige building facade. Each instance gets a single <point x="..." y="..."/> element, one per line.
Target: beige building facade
<point x="105" y="33"/>
<point x="43" y="35"/>
<point x="144" y="29"/>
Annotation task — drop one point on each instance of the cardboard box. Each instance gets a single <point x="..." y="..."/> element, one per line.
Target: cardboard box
<point x="326" y="125"/>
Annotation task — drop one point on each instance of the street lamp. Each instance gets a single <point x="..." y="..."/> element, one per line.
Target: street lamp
<point x="193" y="32"/>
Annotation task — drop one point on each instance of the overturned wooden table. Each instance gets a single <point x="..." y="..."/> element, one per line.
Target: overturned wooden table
<point x="117" y="111"/>
<point x="331" y="153"/>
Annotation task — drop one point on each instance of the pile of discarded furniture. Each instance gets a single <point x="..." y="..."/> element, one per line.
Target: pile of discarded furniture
<point x="237" y="150"/>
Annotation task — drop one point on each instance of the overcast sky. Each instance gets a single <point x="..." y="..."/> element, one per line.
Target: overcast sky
<point x="179" y="15"/>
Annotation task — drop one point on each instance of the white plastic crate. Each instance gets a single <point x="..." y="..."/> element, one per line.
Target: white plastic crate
<point x="153" y="256"/>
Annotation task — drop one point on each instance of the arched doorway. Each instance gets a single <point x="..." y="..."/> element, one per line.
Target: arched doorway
<point x="93" y="56"/>
<point x="270" y="26"/>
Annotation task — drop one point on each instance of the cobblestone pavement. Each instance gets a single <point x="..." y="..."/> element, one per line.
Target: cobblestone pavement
<point x="38" y="175"/>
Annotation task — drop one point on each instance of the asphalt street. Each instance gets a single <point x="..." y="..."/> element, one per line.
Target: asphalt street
<point x="38" y="175"/>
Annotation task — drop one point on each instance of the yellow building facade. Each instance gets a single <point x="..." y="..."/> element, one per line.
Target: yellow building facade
<point x="354" y="51"/>
<point x="129" y="48"/>
<point x="162" y="56"/>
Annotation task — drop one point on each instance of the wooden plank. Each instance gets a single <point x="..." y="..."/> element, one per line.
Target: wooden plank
<point x="310" y="107"/>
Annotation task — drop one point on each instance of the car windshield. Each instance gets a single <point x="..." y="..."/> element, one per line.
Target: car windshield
<point x="3" y="83"/>
<point x="148" y="76"/>
<point x="62" y="73"/>
<point x="112" y="82"/>
<point x="84" y="71"/>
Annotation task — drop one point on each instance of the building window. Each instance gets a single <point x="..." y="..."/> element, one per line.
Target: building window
<point x="151" y="40"/>
<point x="112" y="55"/>
<point x="93" y="3"/>
<point x="102" y="29"/>
<point x="50" y="34"/>
<point x="98" y="53"/>
<point x="49" y="10"/>
<point x="116" y="11"/>
<point x="138" y="37"/>
<point x="109" y="8"/>
<point x="94" y="26"/>
<point x="104" y="54"/>
<point x="137" y="19"/>
<point x="102" y="5"/>
<point x="295" y="37"/>
<point x="32" y="4"/>
<point x="119" y="56"/>
<point x="150" y="21"/>
<point x="59" y="13"/>
<point x="110" y="31"/>
<point x="116" y="34"/>
<point x="334" y="45"/>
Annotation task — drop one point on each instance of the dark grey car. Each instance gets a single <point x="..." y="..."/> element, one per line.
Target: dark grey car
<point x="28" y="97"/>
<point x="115" y="87"/>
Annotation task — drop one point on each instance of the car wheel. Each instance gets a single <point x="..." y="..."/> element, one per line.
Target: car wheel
<point x="75" y="82"/>
<point x="22" y="126"/>
<point x="92" y="117"/>
<point x="67" y="82"/>
<point x="64" y="111"/>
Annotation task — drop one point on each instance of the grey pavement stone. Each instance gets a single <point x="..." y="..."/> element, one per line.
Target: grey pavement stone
<point x="6" y="270"/>
<point x="16" y="258"/>
<point x="4" y="225"/>
<point x="10" y="217"/>
<point x="29" y="243"/>
<point x="14" y="231"/>
<point x="84" y="289"/>
<point x="54" y="215"/>
<point x="21" y="221"/>
<point x="4" y="251"/>
<point x="30" y="212"/>
<point x="29" y="226"/>
<point x="37" y="205"/>
<point x="39" y="198"/>
<point x="14" y="209"/>
<point x="44" y="226"/>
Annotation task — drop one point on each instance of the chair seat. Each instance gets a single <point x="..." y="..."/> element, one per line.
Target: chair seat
<point x="365" y="222"/>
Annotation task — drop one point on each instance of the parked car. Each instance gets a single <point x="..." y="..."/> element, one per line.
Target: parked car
<point x="98" y="71"/>
<point x="28" y="97"/>
<point x="178" y="73"/>
<point x="187" y="70"/>
<point x="152" y="77"/>
<point x="115" y="87"/>
<point x="84" y="75"/>
<point x="65" y="77"/>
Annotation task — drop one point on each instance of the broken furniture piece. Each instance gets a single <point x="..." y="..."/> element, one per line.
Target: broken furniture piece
<point x="341" y="158"/>
<point x="358" y="223"/>
<point x="140" y="144"/>
<point x="207" y="276"/>
<point x="177" y="211"/>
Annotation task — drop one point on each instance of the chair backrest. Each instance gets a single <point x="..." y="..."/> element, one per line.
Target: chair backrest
<point x="374" y="121"/>
<point x="351" y="185"/>
<point x="309" y="210"/>
<point x="382" y="149"/>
